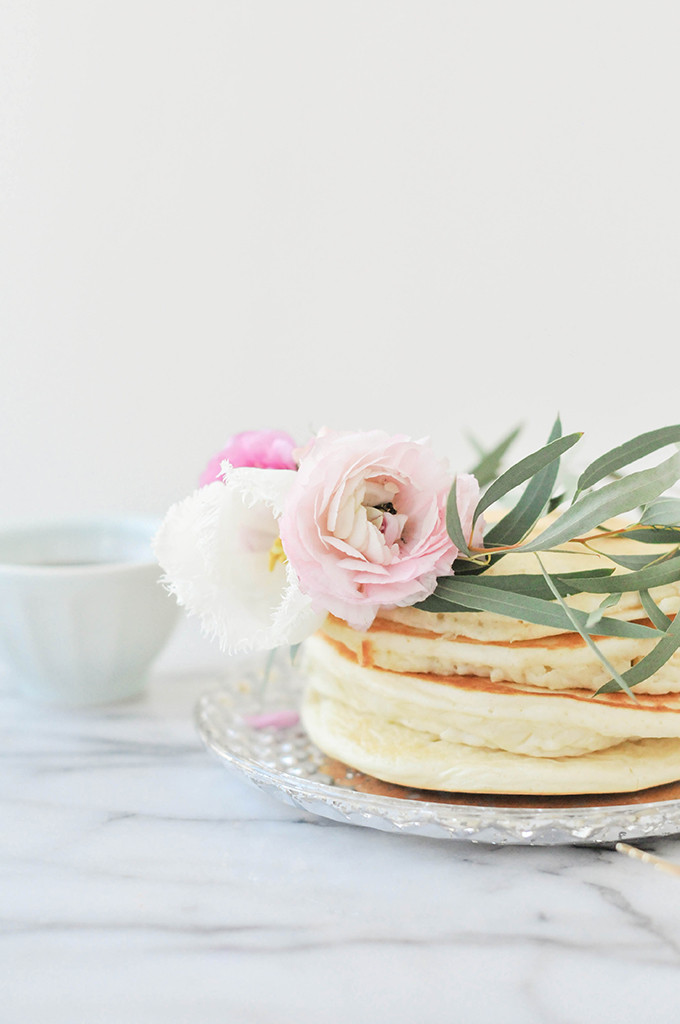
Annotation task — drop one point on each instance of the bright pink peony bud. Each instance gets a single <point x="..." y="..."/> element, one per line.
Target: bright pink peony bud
<point x="261" y="449"/>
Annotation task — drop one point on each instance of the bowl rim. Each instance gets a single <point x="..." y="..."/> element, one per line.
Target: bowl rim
<point x="145" y="526"/>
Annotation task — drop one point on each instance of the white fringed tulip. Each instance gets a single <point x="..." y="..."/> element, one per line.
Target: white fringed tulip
<point x="221" y="554"/>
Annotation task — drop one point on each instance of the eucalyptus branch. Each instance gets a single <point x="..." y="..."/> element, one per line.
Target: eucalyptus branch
<point x="582" y="525"/>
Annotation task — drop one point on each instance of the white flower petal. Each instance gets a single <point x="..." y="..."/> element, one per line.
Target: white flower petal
<point x="214" y="548"/>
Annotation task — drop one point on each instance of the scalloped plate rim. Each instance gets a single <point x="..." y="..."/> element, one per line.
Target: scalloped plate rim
<point x="539" y="826"/>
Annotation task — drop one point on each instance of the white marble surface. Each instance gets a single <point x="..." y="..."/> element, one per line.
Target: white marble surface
<point x="140" y="881"/>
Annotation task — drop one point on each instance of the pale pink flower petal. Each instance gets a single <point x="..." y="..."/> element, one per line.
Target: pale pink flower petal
<point x="364" y="522"/>
<point x="273" y="720"/>
<point x="467" y="497"/>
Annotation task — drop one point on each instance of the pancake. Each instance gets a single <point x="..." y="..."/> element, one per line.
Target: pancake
<point x="498" y="647"/>
<point x="481" y="703"/>
<point x="396" y="754"/>
<point x="463" y="734"/>
<point x="556" y="661"/>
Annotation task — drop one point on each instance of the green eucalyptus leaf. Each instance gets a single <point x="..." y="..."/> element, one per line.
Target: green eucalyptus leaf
<point x="582" y="630"/>
<point x="489" y="463"/>
<point x="469" y="566"/>
<point x="595" y="616"/>
<point x="625" y="454"/>
<point x="652" y="662"/>
<point x="555" y="502"/>
<point x="531" y="584"/>
<point x="662" y="512"/>
<point x="636" y="562"/>
<point x="657" y="575"/>
<point x="611" y="500"/>
<point x="476" y="566"/>
<point x="471" y="595"/>
<point x="584" y="634"/>
<point x="516" y="523"/>
<point x="435" y="603"/>
<point x="453" y="524"/>
<point x="657" y="617"/>
<point x="524" y="469"/>
<point x="652" y="534"/>
<point x="577" y="575"/>
<point x="477" y="445"/>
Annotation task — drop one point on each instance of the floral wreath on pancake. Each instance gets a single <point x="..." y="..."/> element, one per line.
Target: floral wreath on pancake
<point x="277" y="536"/>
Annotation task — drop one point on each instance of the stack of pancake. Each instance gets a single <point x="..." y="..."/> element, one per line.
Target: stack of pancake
<point x="473" y="702"/>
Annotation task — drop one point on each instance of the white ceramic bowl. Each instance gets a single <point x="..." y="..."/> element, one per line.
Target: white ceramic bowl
<point x="82" y="612"/>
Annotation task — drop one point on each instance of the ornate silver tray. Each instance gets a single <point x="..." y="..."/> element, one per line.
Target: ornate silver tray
<point x="250" y="723"/>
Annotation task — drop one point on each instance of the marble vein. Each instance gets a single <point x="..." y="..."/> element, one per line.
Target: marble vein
<point x="141" y="881"/>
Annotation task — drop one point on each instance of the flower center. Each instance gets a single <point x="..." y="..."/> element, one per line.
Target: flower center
<point x="276" y="554"/>
<point x="382" y="514"/>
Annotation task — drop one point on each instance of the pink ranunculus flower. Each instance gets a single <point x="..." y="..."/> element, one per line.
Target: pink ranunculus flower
<point x="261" y="449"/>
<point x="364" y="523"/>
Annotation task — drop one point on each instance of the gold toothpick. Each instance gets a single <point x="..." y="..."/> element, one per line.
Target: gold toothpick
<point x="649" y="858"/>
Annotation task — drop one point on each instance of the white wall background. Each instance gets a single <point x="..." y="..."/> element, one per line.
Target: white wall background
<point x="428" y="216"/>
